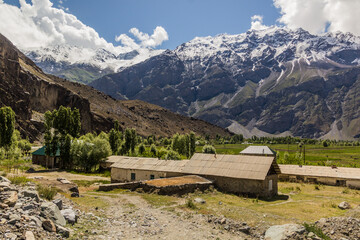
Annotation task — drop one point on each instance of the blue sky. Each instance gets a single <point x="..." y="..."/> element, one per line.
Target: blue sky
<point x="162" y="23"/>
<point x="183" y="20"/>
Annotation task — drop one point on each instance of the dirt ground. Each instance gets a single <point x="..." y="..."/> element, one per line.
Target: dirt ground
<point x="176" y="181"/>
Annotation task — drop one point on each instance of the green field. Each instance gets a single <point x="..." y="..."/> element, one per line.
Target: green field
<point x="342" y="156"/>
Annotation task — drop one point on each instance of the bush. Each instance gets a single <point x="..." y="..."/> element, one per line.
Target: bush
<point x="47" y="192"/>
<point x="190" y="204"/>
<point x="153" y="150"/>
<point x="172" y="155"/>
<point x="208" y="149"/>
<point x="19" y="180"/>
<point x="317" y="187"/>
<point x="317" y="231"/>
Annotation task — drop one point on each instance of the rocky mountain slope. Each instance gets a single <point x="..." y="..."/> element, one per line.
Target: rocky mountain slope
<point x="274" y="81"/>
<point x="79" y="64"/>
<point x="31" y="92"/>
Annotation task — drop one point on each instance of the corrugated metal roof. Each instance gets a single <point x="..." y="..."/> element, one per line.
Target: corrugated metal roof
<point x="152" y="164"/>
<point x="321" y="171"/>
<point x="41" y="152"/>
<point x="258" y="150"/>
<point x="234" y="166"/>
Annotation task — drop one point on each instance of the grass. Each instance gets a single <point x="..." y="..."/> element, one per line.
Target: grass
<point x="87" y="183"/>
<point x="317" y="231"/>
<point x="159" y="200"/>
<point x="47" y="192"/>
<point x="342" y="156"/>
<point x="19" y="180"/>
<point x="190" y="204"/>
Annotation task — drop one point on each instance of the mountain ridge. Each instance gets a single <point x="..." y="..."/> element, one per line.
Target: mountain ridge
<point x="268" y="82"/>
<point x="31" y="92"/>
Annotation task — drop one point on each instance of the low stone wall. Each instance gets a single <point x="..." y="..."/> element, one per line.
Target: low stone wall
<point x="112" y="186"/>
<point x="176" y="189"/>
<point x="180" y="189"/>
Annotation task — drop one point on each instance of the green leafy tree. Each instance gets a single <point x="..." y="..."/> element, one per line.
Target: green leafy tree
<point x="208" y="149"/>
<point x="172" y="155"/>
<point x="153" y="150"/>
<point x="192" y="146"/>
<point x="7" y="126"/>
<point x="130" y="140"/>
<point x="115" y="138"/>
<point x="141" y="149"/>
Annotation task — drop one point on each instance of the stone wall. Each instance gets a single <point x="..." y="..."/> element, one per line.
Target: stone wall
<point x="124" y="175"/>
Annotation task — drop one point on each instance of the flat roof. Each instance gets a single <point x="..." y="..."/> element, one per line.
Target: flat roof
<point x="233" y="166"/>
<point x="258" y="150"/>
<point x="41" y="152"/>
<point x="173" y="181"/>
<point x="321" y="171"/>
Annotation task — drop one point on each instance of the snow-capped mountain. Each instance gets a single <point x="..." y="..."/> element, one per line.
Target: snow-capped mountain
<point x="262" y="82"/>
<point x="84" y="64"/>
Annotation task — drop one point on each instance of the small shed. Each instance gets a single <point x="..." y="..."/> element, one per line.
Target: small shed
<point x="39" y="157"/>
<point x="126" y="169"/>
<point x="258" y="151"/>
<point x="336" y="176"/>
<point x="252" y="175"/>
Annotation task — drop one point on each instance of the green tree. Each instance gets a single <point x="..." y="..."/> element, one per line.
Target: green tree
<point x="208" y="149"/>
<point x="172" y="155"/>
<point x="115" y="138"/>
<point x="153" y="150"/>
<point x="141" y="148"/>
<point x="130" y="140"/>
<point x="192" y="146"/>
<point x="7" y="126"/>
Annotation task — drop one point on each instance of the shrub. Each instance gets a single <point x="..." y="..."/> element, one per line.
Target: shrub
<point x="190" y="204"/>
<point x="208" y="149"/>
<point x="19" y="180"/>
<point x="172" y="155"/>
<point x="47" y="192"/>
<point x="318" y="232"/>
<point x="317" y="187"/>
<point x="346" y="191"/>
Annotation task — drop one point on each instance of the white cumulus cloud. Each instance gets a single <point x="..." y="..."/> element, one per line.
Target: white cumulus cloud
<point x="257" y="23"/>
<point x="318" y="16"/>
<point x="40" y="24"/>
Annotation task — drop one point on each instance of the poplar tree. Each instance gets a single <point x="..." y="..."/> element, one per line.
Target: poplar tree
<point x="7" y="126"/>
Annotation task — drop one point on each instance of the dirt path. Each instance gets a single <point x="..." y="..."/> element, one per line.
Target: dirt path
<point x="131" y="217"/>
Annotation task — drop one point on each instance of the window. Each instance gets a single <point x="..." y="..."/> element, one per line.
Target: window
<point x="133" y="176"/>
<point x="152" y="176"/>
<point x="270" y="185"/>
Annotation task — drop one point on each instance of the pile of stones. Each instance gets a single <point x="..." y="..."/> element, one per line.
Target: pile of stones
<point x="340" y="227"/>
<point x="24" y="215"/>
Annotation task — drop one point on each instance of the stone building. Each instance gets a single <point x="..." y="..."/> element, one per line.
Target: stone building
<point x="39" y="157"/>
<point x="335" y="176"/>
<point x="245" y="174"/>
<point x="128" y="169"/>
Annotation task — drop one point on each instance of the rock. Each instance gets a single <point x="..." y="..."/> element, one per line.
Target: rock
<point x="62" y="231"/>
<point x="30" y="170"/>
<point x="199" y="200"/>
<point x="10" y="236"/>
<point x="49" y="226"/>
<point x="69" y="215"/>
<point x="58" y="203"/>
<point x="344" y="205"/>
<point x="74" y="189"/>
<point x="28" y="207"/>
<point x="31" y="194"/>
<point x="10" y="198"/>
<point x="36" y="220"/>
<point x="222" y="221"/>
<point x="3" y="206"/>
<point x="51" y="211"/>
<point x="75" y="194"/>
<point x="14" y="218"/>
<point x="5" y="185"/>
<point x="282" y="232"/>
<point x="4" y="179"/>
<point x="29" y="235"/>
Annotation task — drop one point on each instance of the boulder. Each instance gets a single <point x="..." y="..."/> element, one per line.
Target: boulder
<point x="49" y="226"/>
<point x="36" y="220"/>
<point x="74" y="189"/>
<point x="75" y="194"/>
<point x="283" y="232"/>
<point x="29" y="235"/>
<point x="10" y="236"/>
<point x="31" y="194"/>
<point x="199" y="200"/>
<point x="9" y="198"/>
<point x="51" y="211"/>
<point x="69" y="215"/>
<point x="14" y="218"/>
<point x="344" y="205"/>
<point x="4" y="179"/>
<point x="58" y="203"/>
<point x="62" y="231"/>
